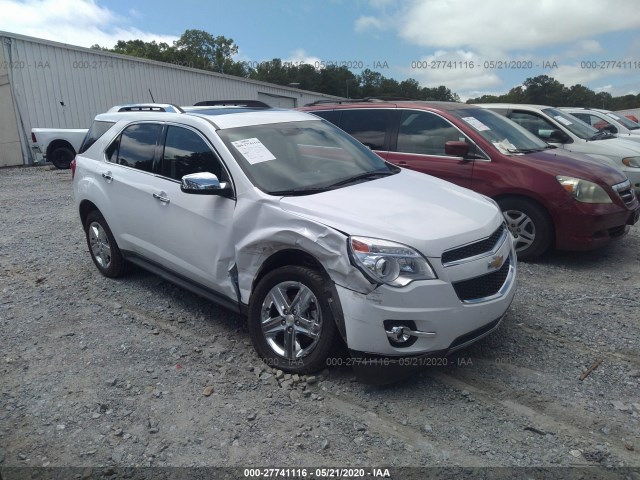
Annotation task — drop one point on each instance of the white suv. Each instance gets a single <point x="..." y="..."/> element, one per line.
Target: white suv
<point x="622" y="126"/>
<point x="282" y="216"/>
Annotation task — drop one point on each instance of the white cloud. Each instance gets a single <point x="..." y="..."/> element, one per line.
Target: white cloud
<point x="299" y="56"/>
<point x="76" y="22"/>
<point x="497" y="26"/>
<point x="500" y="26"/>
<point x="460" y="71"/>
<point x="368" y="23"/>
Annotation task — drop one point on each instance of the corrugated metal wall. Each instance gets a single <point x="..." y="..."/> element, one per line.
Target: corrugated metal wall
<point x="63" y="86"/>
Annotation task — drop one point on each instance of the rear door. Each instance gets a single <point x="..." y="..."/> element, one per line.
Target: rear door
<point x="420" y="145"/>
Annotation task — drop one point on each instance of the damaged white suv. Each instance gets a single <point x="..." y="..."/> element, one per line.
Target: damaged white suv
<point x="283" y="217"/>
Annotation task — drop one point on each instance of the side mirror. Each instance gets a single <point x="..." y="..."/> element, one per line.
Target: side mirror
<point x="204" y="183"/>
<point x="610" y="128"/>
<point x="456" y="148"/>
<point x="558" y="136"/>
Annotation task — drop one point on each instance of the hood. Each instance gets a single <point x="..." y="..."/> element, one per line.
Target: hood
<point x="412" y="208"/>
<point x="614" y="146"/>
<point x="571" y="164"/>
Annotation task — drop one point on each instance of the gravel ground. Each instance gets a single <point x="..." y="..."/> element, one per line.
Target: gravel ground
<point x="137" y="372"/>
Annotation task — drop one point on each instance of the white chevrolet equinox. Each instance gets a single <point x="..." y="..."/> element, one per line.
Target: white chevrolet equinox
<point x="283" y="217"/>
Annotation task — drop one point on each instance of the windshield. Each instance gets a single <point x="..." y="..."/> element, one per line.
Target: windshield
<point x="571" y="123"/>
<point x="505" y="135"/>
<point x="627" y="122"/>
<point x="302" y="157"/>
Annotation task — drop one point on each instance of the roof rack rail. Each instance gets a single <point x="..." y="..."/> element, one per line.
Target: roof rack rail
<point x="232" y="103"/>
<point x="147" y="107"/>
<point x="362" y="100"/>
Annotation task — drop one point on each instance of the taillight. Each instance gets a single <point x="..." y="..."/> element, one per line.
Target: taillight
<point x="33" y="138"/>
<point x="73" y="168"/>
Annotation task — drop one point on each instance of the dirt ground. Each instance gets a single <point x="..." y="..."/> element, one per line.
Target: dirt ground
<point x="137" y="372"/>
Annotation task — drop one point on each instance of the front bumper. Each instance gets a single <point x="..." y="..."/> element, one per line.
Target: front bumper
<point x="432" y="307"/>
<point x="584" y="226"/>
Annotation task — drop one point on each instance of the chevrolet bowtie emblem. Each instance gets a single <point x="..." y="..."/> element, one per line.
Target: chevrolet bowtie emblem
<point x="495" y="263"/>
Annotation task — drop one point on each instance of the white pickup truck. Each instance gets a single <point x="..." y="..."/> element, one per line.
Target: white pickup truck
<point x="57" y="145"/>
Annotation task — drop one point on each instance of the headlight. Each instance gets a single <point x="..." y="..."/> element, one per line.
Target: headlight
<point x="583" y="190"/>
<point x="632" y="162"/>
<point x="388" y="262"/>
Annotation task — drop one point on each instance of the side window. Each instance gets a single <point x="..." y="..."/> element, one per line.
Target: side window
<point x="425" y="133"/>
<point x="368" y="126"/>
<point x="136" y="146"/>
<point x="585" y="117"/>
<point x="538" y="126"/>
<point x="332" y="116"/>
<point x="97" y="129"/>
<point x="186" y="152"/>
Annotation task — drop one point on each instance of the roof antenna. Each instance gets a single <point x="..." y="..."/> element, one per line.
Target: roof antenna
<point x="152" y="99"/>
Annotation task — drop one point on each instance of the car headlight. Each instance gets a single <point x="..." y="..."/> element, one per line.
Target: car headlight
<point x="632" y="162"/>
<point x="583" y="190"/>
<point x="388" y="262"/>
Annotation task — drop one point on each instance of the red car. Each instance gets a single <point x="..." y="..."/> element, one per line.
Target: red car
<point x="548" y="198"/>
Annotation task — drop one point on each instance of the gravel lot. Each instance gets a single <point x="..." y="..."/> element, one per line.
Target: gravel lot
<point x="137" y="372"/>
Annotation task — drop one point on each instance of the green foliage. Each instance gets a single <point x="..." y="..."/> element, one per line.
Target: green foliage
<point x="545" y="90"/>
<point x="201" y="50"/>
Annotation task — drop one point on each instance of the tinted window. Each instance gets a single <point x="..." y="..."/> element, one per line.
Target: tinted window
<point x="368" y="126"/>
<point x="425" y="133"/>
<point x="186" y="152"/>
<point x="136" y="146"/>
<point x="95" y="132"/>
<point x="332" y="116"/>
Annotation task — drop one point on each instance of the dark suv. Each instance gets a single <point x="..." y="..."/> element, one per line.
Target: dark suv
<point x="548" y="197"/>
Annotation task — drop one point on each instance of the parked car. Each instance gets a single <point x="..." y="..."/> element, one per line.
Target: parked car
<point x="548" y="196"/>
<point x="282" y="216"/>
<point x="564" y="131"/>
<point x="607" y="120"/>
<point x="57" y="145"/>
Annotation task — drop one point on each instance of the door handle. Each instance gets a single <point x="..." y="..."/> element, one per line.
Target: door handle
<point x="161" y="197"/>
<point x="107" y="176"/>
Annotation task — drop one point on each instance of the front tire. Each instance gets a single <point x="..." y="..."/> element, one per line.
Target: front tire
<point x="61" y="157"/>
<point x="290" y="321"/>
<point x="529" y="224"/>
<point x="103" y="247"/>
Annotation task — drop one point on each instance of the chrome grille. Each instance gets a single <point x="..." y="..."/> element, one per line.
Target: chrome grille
<point x="473" y="249"/>
<point x="626" y="192"/>
<point x="483" y="286"/>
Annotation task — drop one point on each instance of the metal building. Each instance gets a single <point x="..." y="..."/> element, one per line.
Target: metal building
<point x="54" y="85"/>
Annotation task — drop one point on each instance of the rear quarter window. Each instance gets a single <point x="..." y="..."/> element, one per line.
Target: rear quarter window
<point x="98" y="128"/>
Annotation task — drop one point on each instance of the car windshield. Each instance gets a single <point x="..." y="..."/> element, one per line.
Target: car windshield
<point x="299" y="158"/>
<point x="627" y="122"/>
<point x="573" y="124"/>
<point x="505" y="135"/>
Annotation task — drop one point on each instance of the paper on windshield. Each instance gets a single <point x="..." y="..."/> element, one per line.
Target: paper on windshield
<point x="475" y="123"/>
<point x="615" y="117"/>
<point x="253" y="150"/>
<point x="563" y="120"/>
<point x="505" y="146"/>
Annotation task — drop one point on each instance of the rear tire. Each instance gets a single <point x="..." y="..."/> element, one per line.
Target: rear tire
<point x="61" y="157"/>
<point x="103" y="247"/>
<point x="529" y="224"/>
<point x="290" y="321"/>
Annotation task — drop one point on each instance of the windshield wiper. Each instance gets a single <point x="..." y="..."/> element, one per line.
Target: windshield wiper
<point x="525" y="150"/>
<point x="363" y="176"/>
<point x="300" y="191"/>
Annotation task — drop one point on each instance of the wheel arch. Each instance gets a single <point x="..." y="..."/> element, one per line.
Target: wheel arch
<point x="296" y="257"/>
<point x="59" y="143"/>
<point x="85" y="208"/>
<point x="537" y="203"/>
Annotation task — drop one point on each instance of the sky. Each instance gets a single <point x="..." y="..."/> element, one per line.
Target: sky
<point x="472" y="47"/>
